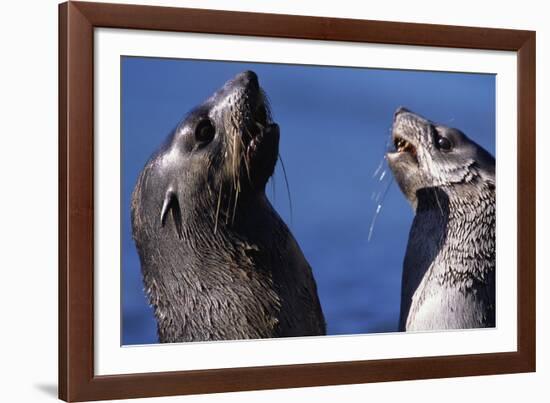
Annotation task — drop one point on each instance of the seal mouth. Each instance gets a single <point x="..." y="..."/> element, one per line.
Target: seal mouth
<point x="254" y="135"/>
<point x="258" y="129"/>
<point x="404" y="146"/>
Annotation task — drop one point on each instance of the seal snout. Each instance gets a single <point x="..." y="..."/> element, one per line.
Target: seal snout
<point x="255" y="133"/>
<point x="259" y="114"/>
<point x="404" y="136"/>
<point x="399" y="111"/>
<point x="250" y="99"/>
<point x="248" y="79"/>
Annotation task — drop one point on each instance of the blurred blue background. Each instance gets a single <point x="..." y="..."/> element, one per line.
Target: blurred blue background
<point x="335" y="125"/>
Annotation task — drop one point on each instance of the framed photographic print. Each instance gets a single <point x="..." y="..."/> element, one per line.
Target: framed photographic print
<point x="253" y="201"/>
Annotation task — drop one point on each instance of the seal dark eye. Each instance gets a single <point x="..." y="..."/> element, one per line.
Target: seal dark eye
<point x="205" y="131"/>
<point x="444" y="144"/>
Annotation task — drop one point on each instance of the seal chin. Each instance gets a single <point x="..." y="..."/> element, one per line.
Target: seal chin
<point x="406" y="172"/>
<point x="258" y="127"/>
<point x="261" y="154"/>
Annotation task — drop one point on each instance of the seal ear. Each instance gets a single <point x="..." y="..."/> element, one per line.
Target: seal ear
<point x="171" y="203"/>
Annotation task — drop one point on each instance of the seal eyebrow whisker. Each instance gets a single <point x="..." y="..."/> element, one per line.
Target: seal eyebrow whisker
<point x="287" y="187"/>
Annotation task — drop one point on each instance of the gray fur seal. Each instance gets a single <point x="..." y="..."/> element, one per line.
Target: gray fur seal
<point x="449" y="268"/>
<point x="218" y="263"/>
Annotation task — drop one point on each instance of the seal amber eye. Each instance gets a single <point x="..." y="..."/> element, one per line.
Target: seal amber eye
<point x="444" y="144"/>
<point x="205" y="131"/>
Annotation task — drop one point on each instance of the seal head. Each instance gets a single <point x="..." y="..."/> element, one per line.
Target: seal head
<point x="430" y="155"/>
<point x="218" y="262"/>
<point x="228" y="138"/>
<point x="449" y="268"/>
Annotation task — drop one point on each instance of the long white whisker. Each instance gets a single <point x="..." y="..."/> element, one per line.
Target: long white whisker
<point x="287" y="188"/>
<point x="378" y="209"/>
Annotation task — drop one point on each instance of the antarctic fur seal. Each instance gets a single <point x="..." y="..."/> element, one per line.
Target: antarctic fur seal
<point x="448" y="277"/>
<point x="218" y="263"/>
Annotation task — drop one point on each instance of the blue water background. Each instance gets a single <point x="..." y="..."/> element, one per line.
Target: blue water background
<point x="335" y="123"/>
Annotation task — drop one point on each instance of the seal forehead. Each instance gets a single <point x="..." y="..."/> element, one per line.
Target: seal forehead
<point x="409" y="123"/>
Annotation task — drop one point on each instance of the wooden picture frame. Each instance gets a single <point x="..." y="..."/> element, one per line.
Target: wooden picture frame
<point x="77" y="21"/>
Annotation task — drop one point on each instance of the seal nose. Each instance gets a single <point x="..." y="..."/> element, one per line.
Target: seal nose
<point x="400" y="110"/>
<point x="248" y="79"/>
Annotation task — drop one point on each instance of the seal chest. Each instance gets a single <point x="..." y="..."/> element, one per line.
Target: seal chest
<point x="449" y="268"/>
<point x="218" y="263"/>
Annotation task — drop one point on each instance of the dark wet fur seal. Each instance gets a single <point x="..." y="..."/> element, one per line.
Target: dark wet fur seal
<point x="218" y="263"/>
<point x="449" y="268"/>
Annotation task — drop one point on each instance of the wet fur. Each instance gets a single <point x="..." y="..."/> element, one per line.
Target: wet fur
<point x="449" y="268"/>
<point x="221" y="264"/>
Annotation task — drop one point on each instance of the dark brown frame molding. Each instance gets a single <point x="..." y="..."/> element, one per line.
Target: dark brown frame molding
<point x="77" y="21"/>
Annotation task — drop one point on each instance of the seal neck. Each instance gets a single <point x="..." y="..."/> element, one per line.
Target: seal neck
<point x="465" y="239"/>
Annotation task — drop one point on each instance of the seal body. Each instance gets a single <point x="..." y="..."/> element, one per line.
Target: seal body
<point x="449" y="267"/>
<point x="218" y="263"/>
